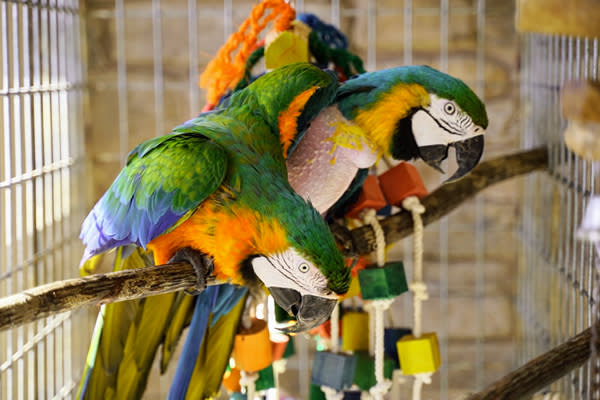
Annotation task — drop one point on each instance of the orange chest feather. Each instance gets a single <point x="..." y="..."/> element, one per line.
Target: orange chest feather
<point x="229" y="236"/>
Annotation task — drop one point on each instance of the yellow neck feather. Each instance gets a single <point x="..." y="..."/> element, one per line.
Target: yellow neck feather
<point x="380" y="120"/>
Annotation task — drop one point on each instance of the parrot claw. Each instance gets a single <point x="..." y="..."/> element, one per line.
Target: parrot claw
<point x="202" y="265"/>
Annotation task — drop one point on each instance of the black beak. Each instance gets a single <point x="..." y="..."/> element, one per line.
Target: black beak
<point x="468" y="154"/>
<point x="310" y="311"/>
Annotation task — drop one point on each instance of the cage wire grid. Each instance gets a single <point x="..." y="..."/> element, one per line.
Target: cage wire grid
<point x="127" y="80"/>
<point x="44" y="71"/>
<point x="40" y="186"/>
<point x="557" y="287"/>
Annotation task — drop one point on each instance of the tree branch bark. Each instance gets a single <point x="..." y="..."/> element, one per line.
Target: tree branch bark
<point x="42" y="301"/>
<point x="541" y="371"/>
<point x="57" y="297"/>
<point x="444" y="199"/>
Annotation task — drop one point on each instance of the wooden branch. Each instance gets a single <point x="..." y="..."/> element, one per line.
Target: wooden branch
<point x="43" y="301"/>
<point x="444" y="199"/>
<point x="57" y="297"/>
<point x="541" y="371"/>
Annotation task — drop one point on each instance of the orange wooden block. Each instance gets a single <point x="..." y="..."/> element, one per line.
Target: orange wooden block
<point x="371" y="196"/>
<point x="279" y="342"/>
<point x="231" y="380"/>
<point x="400" y="182"/>
<point x="252" y="347"/>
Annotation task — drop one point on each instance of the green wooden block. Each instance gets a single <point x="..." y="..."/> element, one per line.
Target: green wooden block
<point x="266" y="379"/>
<point x="290" y="349"/>
<point x="385" y="282"/>
<point x="364" y="377"/>
<point x="316" y="393"/>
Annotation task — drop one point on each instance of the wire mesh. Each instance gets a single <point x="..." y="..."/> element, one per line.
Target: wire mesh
<point x="40" y="186"/>
<point x="556" y="279"/>
<point x="143" y="65"/>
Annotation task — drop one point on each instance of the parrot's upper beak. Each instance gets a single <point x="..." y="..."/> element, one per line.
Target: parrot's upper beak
<point x="468" y="154"/>
<point x="310" y="311"/>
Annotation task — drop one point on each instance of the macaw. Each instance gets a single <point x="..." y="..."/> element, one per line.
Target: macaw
<point x="214" y="193"/>
<point x="404" y="112"/>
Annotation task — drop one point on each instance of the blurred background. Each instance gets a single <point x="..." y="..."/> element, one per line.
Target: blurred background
<point x="84" y="82"/>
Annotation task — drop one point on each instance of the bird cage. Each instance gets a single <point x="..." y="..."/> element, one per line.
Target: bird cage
<point x="557" y="280"/>
<point x="104" y="76"/>
<point x="41" y="185"/>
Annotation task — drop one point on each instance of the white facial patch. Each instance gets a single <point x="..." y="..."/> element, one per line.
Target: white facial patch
<point x="443" y="123"/>
<point x="289" y="270"/>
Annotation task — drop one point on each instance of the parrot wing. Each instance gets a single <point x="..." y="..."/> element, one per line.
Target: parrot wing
<point x="165" y="178"/>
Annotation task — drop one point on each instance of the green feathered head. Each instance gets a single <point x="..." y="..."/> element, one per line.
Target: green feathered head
<point x="417" y="111"/>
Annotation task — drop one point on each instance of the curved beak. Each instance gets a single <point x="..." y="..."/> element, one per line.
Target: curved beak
<point x="468" y="154"/>
<point x="310" y="311"/>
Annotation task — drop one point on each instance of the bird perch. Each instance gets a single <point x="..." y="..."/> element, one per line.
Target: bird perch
<point x="53" y="298"/>
<point x="541" y="371"/>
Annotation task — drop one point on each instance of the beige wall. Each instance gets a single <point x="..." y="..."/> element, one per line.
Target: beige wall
<point x="477" y="317"/>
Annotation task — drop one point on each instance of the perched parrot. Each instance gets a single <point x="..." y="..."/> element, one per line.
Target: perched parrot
<point x="214" y="193"/>
<point x="328" y="134"/>
<point x="404" y="112"/>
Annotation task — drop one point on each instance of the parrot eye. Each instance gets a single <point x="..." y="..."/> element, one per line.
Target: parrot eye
<point x="303" y="268"/>
<point x="449" y="108"/>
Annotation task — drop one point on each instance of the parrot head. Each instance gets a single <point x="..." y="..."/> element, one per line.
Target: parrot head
<point x="298" y="286"/>
<point x="307" y="275"/>
<point x="418" y="112"/>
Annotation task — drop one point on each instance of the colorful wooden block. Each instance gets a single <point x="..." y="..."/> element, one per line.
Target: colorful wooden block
<point x="364" y="377"/>
<point x="390" y="337"/>
<point x="266" y="379"/>
<point x="316" y="393"/>
<point x="252" y="347"/>
<point x="370" y="196"/>
<point x="354" y="289"/>
<point x="290" y="349"/>
<point x="384" y="282"/>
<point x="231" y="380"/>
<point x="419" y="355"/>
<point x="355" y="331"/>
<point x="334" y="370"/>
<point x="352" y="395"/>
<point x="400" y="182"/>
<point x="238" y="396"/>
<point x="279" y="343"/>
<point x="287" y="47"/>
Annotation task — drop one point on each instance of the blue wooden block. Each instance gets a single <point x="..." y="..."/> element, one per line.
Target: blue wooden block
<point x="237" y="396"/>
<point x="390" y="337"/>
<point x="352" y="395"/>
<point x="333" y="370"/>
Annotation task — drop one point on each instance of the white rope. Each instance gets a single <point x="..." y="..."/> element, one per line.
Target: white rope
<point x="331" y="393"/>
<point x="335" y="330"/>
<point x="376" y="309"/>
<point x="248" y="380"/>
<point x="279" y="367"/>
<point x="383" y="385"/>
<point x="418" y="286"/>
<point x="370" y="217"/>
<point x="420" y="379"/>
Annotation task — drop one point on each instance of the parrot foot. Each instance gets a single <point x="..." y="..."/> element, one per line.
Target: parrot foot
<point x="202" y="265"/>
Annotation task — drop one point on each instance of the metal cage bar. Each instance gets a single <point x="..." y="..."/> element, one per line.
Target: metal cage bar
<point x="556" y="279"/>
<point x="40" y="185"/>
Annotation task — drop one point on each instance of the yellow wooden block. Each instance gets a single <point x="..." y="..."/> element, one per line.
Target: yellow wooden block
<point x="287" y="47"/>
<point x="419" y="355"/>
<point x="355" y="331"/>
<point x="354" y="289"/>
